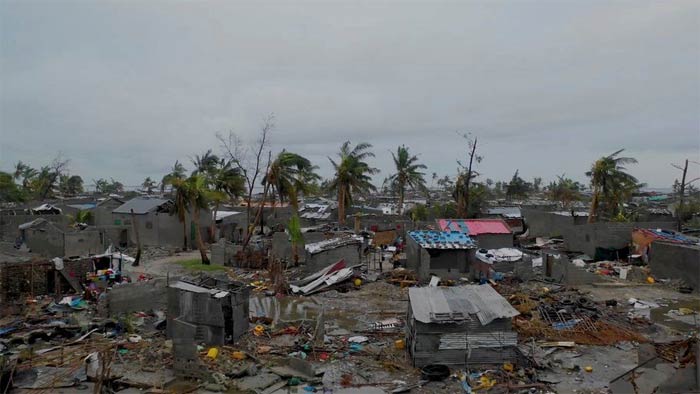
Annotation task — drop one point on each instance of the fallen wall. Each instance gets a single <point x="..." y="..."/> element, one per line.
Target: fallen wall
<point x="136" y="297"/>
<point x="673" y="261"/>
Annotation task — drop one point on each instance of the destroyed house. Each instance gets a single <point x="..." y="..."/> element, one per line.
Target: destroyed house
<point x="317" y="211"/>
<point x="322" y="253"/>
<point x="47" y="239"/>
<point x="205" y="310"/>
<point x="459" y="325"/>
<point x="488" y="233"/>
<point x="21" y="279"/>
<point x="217" y="309"/>
<point x="442" y="253"/>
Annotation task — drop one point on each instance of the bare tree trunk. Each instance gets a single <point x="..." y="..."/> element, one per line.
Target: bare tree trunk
<point x="213" y="222"/>
<point x="341" y="205"/>
<point x="258" y="217"/>
<point x="681" y="198"/>
<point x="259" y="214"/>
<point x="401" y="196"/>
<point x="198" y="235"/>
<point x="138" y="240"/>
<point x="184" y="234"/>
<point x="469" y="179"/>
<point x="593" y="213"/>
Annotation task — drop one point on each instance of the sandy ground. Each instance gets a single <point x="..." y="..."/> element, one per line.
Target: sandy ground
<point x="162" y="266"/>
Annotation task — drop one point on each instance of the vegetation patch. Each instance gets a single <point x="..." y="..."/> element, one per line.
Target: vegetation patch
<point x="196" y="265"/>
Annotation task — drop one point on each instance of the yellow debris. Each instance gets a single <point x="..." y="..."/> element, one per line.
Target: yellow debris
<point x="238" y="355"/>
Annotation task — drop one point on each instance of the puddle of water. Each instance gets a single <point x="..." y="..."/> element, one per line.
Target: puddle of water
<point x="292" y="309"/>
<point x="284" y="309"/>
<point x="679" y="323"/>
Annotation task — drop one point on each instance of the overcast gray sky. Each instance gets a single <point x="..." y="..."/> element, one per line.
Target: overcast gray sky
<point x="125" y="88"/>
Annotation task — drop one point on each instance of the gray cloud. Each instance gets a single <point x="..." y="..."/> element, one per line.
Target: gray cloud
<point x="126" y="88"/>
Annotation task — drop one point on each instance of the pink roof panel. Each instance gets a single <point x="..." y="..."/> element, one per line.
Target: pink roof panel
<point x="475" y="226"/>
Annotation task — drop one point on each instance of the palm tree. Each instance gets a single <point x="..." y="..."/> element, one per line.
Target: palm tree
<point x="25" y="172"/>
<point x="352" y="175"/>
<point x="177" y="172"/>
<point x="289" y="175"/>
<point x="610" y="183"/>
<point x="407" y="173"/>
<point x="206" y="164"/>
<point x="227" y="183"/>
<point x="193" y="194"/>
<point x="181" y="205"/>
<point x="148" y="185"/>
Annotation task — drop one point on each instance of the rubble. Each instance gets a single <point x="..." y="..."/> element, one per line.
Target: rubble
<point x="534" y="322"/>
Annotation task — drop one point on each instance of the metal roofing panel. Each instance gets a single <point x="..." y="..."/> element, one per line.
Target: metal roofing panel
<point x="509" y="212"/>
<point x="452" y="304"/>
<point x="83" y="207"/>
<point x="475" y="226"/>
<point x="140" y="205"/>
<point x="442" y="239"/>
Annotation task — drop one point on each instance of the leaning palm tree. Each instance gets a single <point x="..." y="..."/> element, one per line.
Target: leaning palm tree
<point x="290" y="174"/>
<point x="407" y="173"/>
<point x="194" y="194"/>
<point x="352" y="175"/>
<point x="206" y="164"/>
<point x="610" y="183"/>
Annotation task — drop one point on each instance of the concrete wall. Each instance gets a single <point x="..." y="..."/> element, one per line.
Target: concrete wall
<point x="583" y="237"/>
<point x="137" y="297"/>
<point x="564" y="271"/>
<point x="611" y="235"/>
<point x="675" y="261"/>
<point x="46" y="241"/>
<point x="547" y="224"/>
<point x="494" y="241"/>
<point x="350" y="253"/>
<point x="224" y="253"/>
<point x="83" y="243"/>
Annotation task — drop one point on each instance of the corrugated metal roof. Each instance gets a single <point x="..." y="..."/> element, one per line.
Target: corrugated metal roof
<point x="455" y="304"/>
<point x="442" y="239"/>
<point x="508" y="212"/>
<point x="475" y="226"/>
<point x="83" y="207"/>
<point x="140" y="205"/>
